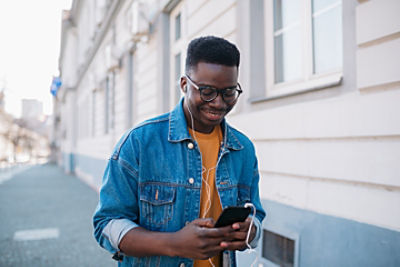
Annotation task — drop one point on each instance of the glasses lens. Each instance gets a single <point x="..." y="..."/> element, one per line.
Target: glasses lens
<point x="208" y="93"/>
<point x="231" y="95"/>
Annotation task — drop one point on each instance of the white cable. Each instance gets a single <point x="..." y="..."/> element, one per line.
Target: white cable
<point x="208" y="190"/>
<point x="250" y="249"/>
<point x="203" y="169"/>
<point x="250" y="205"/>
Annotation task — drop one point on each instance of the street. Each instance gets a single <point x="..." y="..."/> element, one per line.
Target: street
<point x="46" y="220"/>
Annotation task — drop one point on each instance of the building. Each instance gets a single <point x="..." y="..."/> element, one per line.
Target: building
<point x="6" y="124"/>
<point x="321" y="84"/>
<point x="32" y="109"/>
<point x="19" y="141"/>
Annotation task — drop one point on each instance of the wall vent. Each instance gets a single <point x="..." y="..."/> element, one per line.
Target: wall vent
<point x="279" y="250"/>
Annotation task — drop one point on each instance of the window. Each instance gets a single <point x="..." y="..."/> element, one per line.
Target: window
<point x="287" y="37"/>
<point x="327" y="35"/>
<point x="177" y="46"/>
<point x="278" y="250"/>
<point x="304" y="45"/>
<point x="178" y="27"/>
<point x="94" y="112"/>
<point x="129" y="102"/>
<point x="178" y="73"/>
<point x="109" y="101"/>
<point x="106" y="107"/>
<point x="83" y="117"/>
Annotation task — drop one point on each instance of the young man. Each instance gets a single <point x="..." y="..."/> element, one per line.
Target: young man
<point x="170" y="177"/>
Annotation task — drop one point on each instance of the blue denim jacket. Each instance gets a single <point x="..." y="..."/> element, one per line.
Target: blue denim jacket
<point x="153" y="180"/>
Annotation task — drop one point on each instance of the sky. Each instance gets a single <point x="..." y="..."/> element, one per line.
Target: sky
<point x="29" y="50"/>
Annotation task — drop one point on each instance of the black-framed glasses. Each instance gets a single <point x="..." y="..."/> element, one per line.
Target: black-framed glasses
<point x="209" y="93"/>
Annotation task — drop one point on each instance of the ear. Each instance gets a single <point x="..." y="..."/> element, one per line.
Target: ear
<point x="183" y="84"/>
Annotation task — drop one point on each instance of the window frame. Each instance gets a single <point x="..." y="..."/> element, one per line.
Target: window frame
<point x="109" y="102"/>
<point x="309" y="81"/>
<point x="94" y="107"/>
<point x="177" y="46"/>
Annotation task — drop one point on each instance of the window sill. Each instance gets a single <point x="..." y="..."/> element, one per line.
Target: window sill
<point x="285" y="90"/>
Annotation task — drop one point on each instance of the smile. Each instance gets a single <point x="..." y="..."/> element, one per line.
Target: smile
<point x="213" y="115"/>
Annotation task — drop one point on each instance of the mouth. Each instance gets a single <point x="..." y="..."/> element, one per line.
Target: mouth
<point x="213" y="115"/>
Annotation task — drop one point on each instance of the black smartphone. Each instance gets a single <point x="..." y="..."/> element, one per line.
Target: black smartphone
<point x="231" y="215"/>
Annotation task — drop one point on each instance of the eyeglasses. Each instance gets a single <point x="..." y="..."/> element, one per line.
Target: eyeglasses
<point x="209" y="93"/>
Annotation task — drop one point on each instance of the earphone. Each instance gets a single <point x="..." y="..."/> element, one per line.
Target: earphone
<point x="204" y="168"/>
<point x="249" y="204"/>
<point x="250" y="249"/>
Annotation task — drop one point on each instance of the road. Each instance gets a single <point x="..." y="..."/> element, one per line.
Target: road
<point x="45" y="220"/>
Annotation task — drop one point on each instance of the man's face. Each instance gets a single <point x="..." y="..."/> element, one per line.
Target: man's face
<point x="206" y="115"/>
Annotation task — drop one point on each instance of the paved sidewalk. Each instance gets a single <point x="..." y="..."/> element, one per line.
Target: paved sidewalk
<point x="45" y="219"/>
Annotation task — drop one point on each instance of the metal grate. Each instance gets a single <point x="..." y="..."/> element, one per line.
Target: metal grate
<point x="278" y="249"/>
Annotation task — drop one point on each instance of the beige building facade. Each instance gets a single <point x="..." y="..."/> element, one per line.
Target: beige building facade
<point x="321" y="82"/>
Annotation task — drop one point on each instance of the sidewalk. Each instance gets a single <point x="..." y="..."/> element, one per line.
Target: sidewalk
<point x="46" y="220"/>
<point x="8" y="172"/>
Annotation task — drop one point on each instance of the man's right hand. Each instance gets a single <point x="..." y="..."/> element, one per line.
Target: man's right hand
<point x="197" y="240"/>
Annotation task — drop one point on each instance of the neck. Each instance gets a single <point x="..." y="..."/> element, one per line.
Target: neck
<point x="192" y="123"/>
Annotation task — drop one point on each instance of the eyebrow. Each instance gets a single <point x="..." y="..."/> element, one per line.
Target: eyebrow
<point x="199" y="84"/>
<point x="213" y="87"/>
<point x="207" y="85"/>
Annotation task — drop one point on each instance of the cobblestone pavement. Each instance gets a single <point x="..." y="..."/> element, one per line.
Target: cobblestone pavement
<point x="45" y="220"/>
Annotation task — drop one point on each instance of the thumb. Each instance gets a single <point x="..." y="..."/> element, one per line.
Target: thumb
<point x="204" y="222"/>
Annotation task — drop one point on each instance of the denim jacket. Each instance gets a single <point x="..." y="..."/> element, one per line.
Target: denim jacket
<point x="153" y="180"/>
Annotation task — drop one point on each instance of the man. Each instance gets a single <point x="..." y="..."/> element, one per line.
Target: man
<point x="169" y="178"/>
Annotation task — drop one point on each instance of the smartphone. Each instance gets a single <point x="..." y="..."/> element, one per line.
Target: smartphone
<point x="231" y="215"/>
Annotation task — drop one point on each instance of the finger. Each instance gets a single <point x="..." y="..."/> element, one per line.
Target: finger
<point x="242" y="225"/>
<point x="210" y="247"/>
<point x="204" y="222"/>
<point x="233" y="245"/>
<point x="219" y="232"/>
<point x="237" y="235"/>
<point x="211" y="252"/>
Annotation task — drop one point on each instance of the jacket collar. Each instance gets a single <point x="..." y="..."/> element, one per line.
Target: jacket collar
<point x="178" y="129"/>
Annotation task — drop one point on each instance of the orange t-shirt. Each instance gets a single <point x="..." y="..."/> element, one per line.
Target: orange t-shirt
<point x="210" y="203"/>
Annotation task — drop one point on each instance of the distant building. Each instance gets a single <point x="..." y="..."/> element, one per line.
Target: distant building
<point x="321" y="82"/>
<point x="25" y="139"/>
<point x="2" y="103"/>
<point x="32" y="109"/>
<point x="6" y="126"/>
<point x="20" y="142"/>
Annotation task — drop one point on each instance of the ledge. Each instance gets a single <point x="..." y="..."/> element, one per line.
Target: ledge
<point x="327" y="82"/>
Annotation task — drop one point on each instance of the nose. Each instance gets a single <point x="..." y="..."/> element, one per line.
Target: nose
<point x="218" y="102"/>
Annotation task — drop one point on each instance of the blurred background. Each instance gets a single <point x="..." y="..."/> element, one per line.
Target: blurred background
<point x="321" y="82"/>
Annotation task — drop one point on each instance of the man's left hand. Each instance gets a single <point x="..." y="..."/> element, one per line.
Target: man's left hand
<point x="237" y="239"/>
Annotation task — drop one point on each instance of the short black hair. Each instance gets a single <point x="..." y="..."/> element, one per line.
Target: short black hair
<point x="211" y="49"/>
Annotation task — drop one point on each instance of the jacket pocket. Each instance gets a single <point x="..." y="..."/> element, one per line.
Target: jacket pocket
<point x="157" y="205"/>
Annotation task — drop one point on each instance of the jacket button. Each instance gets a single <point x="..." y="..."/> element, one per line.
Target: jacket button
<point x="190" y="145"/>
<point x="191" y="180"/>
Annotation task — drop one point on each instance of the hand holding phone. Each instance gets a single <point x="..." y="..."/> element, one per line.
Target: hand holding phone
<point x="230" y="215"/>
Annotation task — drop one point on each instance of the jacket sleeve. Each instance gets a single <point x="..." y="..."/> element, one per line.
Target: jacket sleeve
<point x="255" y="199"/>
<point x="117" y="210"/>
<point x="255" y="193"/>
